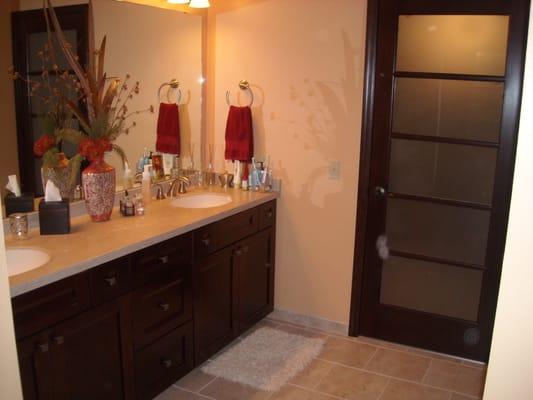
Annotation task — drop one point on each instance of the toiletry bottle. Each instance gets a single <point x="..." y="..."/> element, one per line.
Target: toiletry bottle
<point x="147" y="184"/>
<point x="128" y="177"/>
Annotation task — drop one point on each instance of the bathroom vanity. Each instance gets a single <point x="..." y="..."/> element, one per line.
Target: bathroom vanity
<point x="130" y="327"/>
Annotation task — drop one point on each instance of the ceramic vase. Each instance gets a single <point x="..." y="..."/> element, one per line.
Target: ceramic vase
<point x="98" y="182"/>
<point x="61" y="177"/>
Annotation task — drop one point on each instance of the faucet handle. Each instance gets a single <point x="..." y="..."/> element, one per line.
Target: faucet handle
<point x="160" y="195"/>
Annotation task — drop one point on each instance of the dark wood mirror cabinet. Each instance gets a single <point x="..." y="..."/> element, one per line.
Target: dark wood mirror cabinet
<point x="132" y="327"/>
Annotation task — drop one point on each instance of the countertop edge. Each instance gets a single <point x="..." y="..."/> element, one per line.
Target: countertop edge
<point x="85" y="265"/>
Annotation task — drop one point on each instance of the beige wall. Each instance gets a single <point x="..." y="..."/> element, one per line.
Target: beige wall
<point x="8" y="136"/>
<point x="511" y="363"/>
<point x="9" y="371"/>
<point x="304" y="60"/>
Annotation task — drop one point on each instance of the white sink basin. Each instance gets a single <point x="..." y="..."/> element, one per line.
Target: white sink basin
<point x="24" y="260"/>
<point x="206" y="200"/>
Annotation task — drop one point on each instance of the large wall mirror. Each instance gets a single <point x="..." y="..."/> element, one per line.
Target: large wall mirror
<point x="152" y="45"/>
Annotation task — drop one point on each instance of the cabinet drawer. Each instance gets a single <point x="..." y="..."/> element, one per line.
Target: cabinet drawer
<point x="159" y="308"/>
<point x="162" y="260"/>
<point x="267" y="215"/>
<point x="110" y="281"/>
<point x="223" y="233"/>
<point x="162" y="363"/>
<point x="48" y="305"/>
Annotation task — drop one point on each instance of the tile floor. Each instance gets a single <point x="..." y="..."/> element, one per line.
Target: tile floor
<point x="353" y="369"/>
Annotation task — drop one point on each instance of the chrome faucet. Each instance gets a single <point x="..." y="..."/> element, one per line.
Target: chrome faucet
<point x="180" y="185"/>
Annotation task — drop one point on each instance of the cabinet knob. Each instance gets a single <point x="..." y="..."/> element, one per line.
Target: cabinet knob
<point x="164" y="306"/>
<point x="206" y="241"/>
<point x="111" y="281"/>
<point x="166" y="362"/>
<point x="59" y="340"/>
<point x="163" y="259"/>
<point x="268" y="265"/>
<point x="43" y="347"/>
<point x="238" y="252"/>
<point x="269" y="214"/>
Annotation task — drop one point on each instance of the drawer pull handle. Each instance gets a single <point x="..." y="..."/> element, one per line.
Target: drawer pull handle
<point x="111" y="281"/>
<point x="206" y="241"/>
<point x="163" y="259"/>
<point x="43" y="347"/>
<point x="164" y="306"/>
<point x="166" y="362"/>
<point x="59" y="340"/>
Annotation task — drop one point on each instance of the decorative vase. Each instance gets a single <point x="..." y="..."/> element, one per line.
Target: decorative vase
<point x="61" y="176"/>
<point x="98" y="182"/>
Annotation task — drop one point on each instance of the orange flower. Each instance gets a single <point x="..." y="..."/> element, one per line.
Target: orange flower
<point x="92" y="149"/>
<point x="45" y="143"/>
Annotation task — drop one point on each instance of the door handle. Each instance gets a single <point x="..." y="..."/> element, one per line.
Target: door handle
<point x="380" y="191"/>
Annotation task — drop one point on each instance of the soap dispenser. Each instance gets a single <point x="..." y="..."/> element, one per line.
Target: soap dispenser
<point x="147" y="184"/>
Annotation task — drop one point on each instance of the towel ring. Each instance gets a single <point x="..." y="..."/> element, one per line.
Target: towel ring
<point x="243" y="85"/>
<point x="172" y="85"/>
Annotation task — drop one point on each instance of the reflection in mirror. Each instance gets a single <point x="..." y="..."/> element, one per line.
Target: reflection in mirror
<point x="167" y="45"/>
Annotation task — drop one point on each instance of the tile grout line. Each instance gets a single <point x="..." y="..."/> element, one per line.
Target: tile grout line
<point x="197" y="394"/>
<point x="395" y="377"/>
<point x="384" y="389"/>
<point x="316" y="391"/>
<point x="365" y="367"/>
<point x="325" y="375"/>
<point x="427" y="371"/>
<point x="401" y="348"/>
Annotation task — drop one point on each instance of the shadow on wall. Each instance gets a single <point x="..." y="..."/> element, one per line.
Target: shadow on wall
<point x="327" y="123"/>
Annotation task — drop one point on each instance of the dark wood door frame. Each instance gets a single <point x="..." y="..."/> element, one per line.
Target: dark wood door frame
<point x="503" y="183"/>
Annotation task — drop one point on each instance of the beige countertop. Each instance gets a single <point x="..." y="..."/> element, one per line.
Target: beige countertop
<point x="91" y="244"/>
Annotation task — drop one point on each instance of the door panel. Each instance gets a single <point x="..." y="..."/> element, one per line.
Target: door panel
<point x="448" y="108"/>
<point x="454" y="44"/>
<point x="437" y="230"/>
<point x="442" y="119"/>
<point x="442" y="170"/>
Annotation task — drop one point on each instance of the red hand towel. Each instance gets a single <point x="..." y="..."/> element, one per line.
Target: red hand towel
<point x="168" y="129"/>
<point x="239" y="134"/>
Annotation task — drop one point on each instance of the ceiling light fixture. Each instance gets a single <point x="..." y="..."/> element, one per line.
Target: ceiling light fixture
<point x="199" y="4"/>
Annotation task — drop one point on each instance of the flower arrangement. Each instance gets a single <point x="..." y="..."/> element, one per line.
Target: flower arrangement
<point x="106" y="99"/>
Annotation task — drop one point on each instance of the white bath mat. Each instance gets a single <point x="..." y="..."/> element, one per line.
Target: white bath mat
<point x="266" y="359"/>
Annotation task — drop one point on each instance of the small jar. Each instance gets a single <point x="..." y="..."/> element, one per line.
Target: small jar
<point x="18" y="224"/>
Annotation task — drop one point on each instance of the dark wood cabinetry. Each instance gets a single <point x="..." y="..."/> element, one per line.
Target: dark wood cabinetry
<point x="79" y="359"/>
<point x="130" y="328"/>
<point x="234" y="286"/>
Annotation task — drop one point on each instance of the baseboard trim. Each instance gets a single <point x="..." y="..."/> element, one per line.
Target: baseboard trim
<point x="325" y="325"/>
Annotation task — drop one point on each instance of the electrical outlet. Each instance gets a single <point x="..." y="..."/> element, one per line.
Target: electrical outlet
<point x="334" y="170"/>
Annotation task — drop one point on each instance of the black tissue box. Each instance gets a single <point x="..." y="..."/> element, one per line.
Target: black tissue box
<point x="22" y="204"/>
<point x="54" y="217"/>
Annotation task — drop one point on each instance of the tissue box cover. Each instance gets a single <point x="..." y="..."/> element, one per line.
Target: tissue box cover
<point x="22" y="204"/>
<point x="54" y="217"/>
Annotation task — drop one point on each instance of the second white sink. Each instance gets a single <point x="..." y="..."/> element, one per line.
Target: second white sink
<point x="205" y="200"/>
<point x="24" y="260"/>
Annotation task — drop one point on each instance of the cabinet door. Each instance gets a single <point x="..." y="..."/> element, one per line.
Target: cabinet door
<point x="214" y="315"/>
<point x="36" y="367"/>
<point x="91" y="355"/>
<point x="255" y="278"/>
